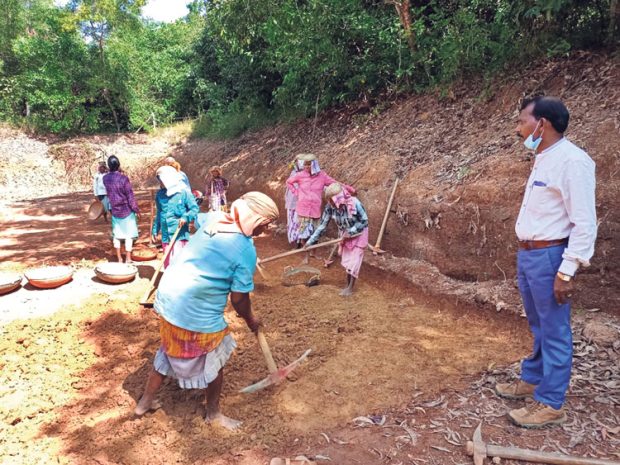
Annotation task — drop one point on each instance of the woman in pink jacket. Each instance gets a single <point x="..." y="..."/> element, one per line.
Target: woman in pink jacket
<point x="308" y="186"/>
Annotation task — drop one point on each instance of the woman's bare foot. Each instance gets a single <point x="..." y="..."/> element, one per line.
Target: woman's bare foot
<point x="146" y="405"/>
<point x="346" y="292"/>
<point x="223" y="421"/>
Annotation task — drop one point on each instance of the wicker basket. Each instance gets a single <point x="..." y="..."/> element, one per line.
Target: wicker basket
<point x="116" y="273"/>
<point x="49" y="277"/>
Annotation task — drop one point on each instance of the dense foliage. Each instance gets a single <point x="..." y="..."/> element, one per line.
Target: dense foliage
<point x="96" y="65"/>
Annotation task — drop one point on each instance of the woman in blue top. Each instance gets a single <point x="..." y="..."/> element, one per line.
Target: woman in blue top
<point x="218" y="262"/>
<point x="176" y="208"/>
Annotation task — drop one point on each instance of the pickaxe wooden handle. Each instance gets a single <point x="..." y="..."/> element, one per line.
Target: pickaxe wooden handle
<point x="377" y="247"/>
<point x="479" y="450"/>
<point x="264" y="347"/>
<point x="306" y="249"/>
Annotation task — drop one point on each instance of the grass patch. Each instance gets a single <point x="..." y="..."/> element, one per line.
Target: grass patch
<point x="232" y="122"/>
<point x="175" y="133"/>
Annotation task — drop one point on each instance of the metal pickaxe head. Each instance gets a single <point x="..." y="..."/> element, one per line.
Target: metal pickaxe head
<point x="376" y="250"/>
<point x="477" y="447"/>
<point x="276" y="376"/>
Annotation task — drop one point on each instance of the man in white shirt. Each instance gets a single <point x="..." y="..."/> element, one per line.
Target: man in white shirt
<point x="556" y="229"/>
<point x="99" y="189"/>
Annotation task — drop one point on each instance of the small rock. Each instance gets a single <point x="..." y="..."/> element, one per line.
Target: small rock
<point x="497" y="460"/>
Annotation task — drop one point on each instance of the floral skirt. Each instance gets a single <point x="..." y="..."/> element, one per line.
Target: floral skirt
<point x="193" y="359"/>
<point x="292" y="226"/>
<point x="306" y="226"/>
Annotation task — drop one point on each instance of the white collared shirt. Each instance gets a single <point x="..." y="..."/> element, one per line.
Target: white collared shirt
<point x="559" y="202"/>
<point x="98" y="187"/>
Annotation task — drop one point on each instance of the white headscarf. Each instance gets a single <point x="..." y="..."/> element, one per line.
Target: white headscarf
<point x="171" y="179"/>
<point x="246" y="214"/>
<point x="315" y="168"/>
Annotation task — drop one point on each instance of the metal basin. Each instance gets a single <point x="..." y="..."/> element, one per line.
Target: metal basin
<point x="116" y="273"/>
<point x="49" y="277"/>
<point x="143" y="255"/>
<point x="9" y="282"/>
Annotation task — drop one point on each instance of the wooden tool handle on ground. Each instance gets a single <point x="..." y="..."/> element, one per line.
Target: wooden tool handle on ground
<point x="306" y="249"/>
<point x="161" y="263"/>
<point x="514" y="453"/>
<point x="387" y="214"/>
<point x="264" y="347"/>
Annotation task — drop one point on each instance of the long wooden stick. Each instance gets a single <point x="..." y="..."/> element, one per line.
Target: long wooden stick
<point x="146" y="295"/>
<point x="152" y="219"/>
<point x="264" y="347"/>
<point x="386" y="216"/>
<point x="305" y="249"/>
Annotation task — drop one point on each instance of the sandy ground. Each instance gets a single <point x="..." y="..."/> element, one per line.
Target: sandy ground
<point x="395" y="376"/>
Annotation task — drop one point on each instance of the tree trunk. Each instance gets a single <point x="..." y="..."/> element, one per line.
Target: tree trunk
<point x="105" y="91"/>
<point x="614" y="13"/>
<point x="403" y="8"/>
<point x="106" y="96"/>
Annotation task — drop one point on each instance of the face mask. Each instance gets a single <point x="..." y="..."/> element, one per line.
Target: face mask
<point x="530" y="143"/>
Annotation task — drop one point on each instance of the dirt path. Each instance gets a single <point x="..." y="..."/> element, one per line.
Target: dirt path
<point x="69" y="379"/>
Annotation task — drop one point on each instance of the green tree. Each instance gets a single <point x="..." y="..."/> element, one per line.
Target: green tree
<point x="98" y="19"/>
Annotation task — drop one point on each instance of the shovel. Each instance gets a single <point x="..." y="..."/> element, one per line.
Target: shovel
<point x="145" y="298"/>
<point x="276" y="375"/>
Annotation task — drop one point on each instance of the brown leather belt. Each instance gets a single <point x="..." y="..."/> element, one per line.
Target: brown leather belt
<point x="531" y="245"/>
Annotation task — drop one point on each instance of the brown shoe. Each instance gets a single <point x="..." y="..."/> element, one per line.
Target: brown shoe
<point x="537" y="415"/>
<point x="518" y="389"/>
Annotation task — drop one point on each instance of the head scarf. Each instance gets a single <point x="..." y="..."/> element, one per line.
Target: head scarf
<point x="341" y="197"/>
<point x="296" y="165"/>
<point x="314" y="167"/>
<point x="246" y="214"/>
<point x="171" y="161"/>
<point x="171" y="179"/>
<point x="114" y="163"/>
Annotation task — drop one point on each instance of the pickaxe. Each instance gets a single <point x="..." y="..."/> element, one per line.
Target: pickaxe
<point x="376" y="249"/>
<point x="276" y="375"/>
<point x="479" y="450"/>
<point x="305" y="249"/>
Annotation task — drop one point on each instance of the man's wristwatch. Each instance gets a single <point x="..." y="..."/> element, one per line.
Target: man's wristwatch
<point x="564" y="277"/>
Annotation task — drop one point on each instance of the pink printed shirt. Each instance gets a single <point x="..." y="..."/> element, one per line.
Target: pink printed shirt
<point x="309" y="191"/>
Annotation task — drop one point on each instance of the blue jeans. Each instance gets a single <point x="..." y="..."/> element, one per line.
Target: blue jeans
<point x="549" y="366"/>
